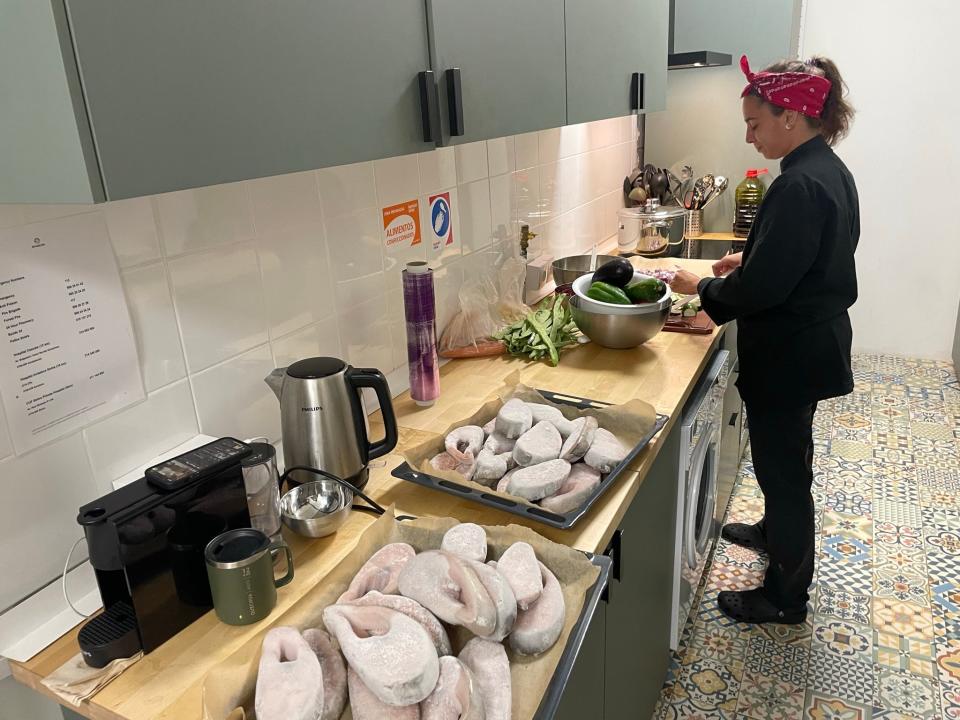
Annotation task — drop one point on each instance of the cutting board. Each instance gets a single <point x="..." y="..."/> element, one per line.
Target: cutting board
<point x="700" y="324"/>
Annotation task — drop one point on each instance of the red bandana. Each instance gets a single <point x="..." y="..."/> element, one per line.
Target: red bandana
<point x="802" y="92"/>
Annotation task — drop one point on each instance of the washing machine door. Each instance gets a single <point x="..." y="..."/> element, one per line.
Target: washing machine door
<point x="701" y="497"/>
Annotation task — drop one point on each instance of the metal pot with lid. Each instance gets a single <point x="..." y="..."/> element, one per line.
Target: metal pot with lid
<point x="651" y="229"/>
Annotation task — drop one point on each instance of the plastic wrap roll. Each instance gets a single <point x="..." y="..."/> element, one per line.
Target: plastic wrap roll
<point x="421" y="314"/>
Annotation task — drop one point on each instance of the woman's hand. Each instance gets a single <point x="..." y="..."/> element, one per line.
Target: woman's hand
<point x="685" y="283"/>
<point x="727" y="264"/>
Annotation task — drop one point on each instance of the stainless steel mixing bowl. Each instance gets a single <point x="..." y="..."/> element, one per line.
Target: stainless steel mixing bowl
<point x="316" y="509"/>
<point x="568" y="269"/>
<point x="621" y="331"/>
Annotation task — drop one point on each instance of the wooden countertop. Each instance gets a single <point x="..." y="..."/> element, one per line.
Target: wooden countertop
<point x="166" y="684"/>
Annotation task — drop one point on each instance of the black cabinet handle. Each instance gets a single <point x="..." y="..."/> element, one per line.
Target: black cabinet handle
<point x="733" y="419"/>
<point x="454" y="101"/>
<point x="614" y="552"/>
<point x="636" y="92"/>
<point x="429" y="105"/>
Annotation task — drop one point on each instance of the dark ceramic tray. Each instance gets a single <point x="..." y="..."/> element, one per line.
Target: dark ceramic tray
<point x="534" y="512"/>
<point x="550" y="702"/>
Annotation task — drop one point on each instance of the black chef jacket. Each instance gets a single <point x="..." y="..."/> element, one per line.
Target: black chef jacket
<point x="790" y="296"/>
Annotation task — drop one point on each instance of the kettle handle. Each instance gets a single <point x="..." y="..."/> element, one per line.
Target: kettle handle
<point x="374" y="379"/>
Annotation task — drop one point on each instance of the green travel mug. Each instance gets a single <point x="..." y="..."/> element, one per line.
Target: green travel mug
<point x="240" y="570"/>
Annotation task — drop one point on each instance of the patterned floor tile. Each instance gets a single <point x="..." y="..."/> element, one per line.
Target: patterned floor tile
<point x="895" y="512"/>
<point x="845" y="639"/>
<point x="841" y="677"/>
<point x="707" y="686"/>
<point x="720" y="644"/>
<point x="902" y="618"/>
<point x="818" y="706"/>
<point x="856" y="526"/>
<point x="854" y="577"/>
<point x="915" y="655"/>
<point x="905" y="586"/>
<point x="842" y="605"/>
<point x="784" y="661"/>
<point x="767" y="698"/>
<point x="948" y="660"/>
<point x="891" y="533"/>
<point x="906" y="693"/>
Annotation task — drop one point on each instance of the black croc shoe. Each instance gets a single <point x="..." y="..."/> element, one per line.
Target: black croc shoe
<point x="751" y="606"/>
<point x="748" y="536"/>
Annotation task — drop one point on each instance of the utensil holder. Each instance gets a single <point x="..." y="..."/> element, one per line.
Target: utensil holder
<point x="693" y="224"/>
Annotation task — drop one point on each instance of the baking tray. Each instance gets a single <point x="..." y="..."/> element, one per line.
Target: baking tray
<point x="533" y="512"/>
<point x="550" y="702"/>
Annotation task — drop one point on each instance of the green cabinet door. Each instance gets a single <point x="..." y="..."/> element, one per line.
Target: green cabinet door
<point x="46" y="152"/>
<point x="638" y="614"/>
<point x="583" y="694"/>
<point x="183" y="93"/>
<point x="607" y="42"/>
<point x="511" y="60"/>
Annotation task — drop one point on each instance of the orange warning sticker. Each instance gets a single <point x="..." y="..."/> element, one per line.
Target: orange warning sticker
<point x="401" y="224"/>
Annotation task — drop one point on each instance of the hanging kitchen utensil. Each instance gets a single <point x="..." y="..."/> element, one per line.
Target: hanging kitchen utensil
<point x="720" y="184"/>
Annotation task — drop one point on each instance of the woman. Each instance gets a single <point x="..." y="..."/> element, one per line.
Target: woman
<point x="789" y="291"/>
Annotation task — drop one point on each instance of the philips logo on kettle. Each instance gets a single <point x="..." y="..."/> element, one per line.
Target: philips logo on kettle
<point x="315" y="408"/>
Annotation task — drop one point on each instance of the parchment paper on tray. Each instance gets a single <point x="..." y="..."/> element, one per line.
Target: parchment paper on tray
<point x="631" y="422"/>
<point x="230" y="685"/>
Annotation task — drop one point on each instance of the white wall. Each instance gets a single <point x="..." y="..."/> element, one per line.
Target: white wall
<point x="900" y="63"/>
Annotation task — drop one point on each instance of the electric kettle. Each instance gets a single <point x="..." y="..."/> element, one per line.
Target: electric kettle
<point x="323" y="420"/>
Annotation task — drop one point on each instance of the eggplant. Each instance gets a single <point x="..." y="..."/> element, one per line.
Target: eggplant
<point x="617" y="272"/>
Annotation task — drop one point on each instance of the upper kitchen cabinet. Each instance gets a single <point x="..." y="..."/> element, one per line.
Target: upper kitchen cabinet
<point x="499" y="65"/>
<point x="608" y="42"/>
<point x="183" y="94"/>
<point x="46" y="150"/>
<point x="763" y="30"/>
<point x="109" y="99"/>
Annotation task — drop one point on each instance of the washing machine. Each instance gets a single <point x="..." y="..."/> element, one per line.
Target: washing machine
<point x="700" y="431"/>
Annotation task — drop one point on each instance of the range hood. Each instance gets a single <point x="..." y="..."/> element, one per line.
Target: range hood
<point x="693" y="58"/>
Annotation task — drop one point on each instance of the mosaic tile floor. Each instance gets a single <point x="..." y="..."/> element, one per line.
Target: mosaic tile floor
<point x="882" y="639"/>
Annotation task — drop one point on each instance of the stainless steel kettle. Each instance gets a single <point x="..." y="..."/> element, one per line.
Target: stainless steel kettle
<point x="323" y="419"/>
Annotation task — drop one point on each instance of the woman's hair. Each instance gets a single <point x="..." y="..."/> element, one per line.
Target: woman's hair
<point x="837" y="116"/>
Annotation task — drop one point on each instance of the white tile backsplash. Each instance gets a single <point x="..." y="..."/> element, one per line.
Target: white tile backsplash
<point x="475" y="222"/>
<point x="204" y="217"/>
<point x="42" y="491"/>
<point x="438" y="170"/>
<point x="398" y="179"/>
<point x="527" y="149"/>
<point x="501" y="156"/>
<point x="164" y="420"/>
<point x="224" y="281"/>
<point x="133" y="230"/>
<point x="154" y="325"/>
<point x="219" y="300"/>
<point x="232" y="398"/>
<point x="321" y="339"/>
<point x="472" y="162"/>
<point x="297" y="282"/>
<point x="285" y="202"/>
<point x="365" y="334"/>
<point x="347" y="189"/>
<point x="503" y="208"/>
<point x="11" y="215"/>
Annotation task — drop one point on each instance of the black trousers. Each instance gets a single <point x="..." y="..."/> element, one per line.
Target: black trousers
<point x="781" y="441"/>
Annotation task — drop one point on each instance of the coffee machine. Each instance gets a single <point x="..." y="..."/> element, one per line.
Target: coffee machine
<point x="323" y="419"/>
<point x="146" y="542"/>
